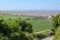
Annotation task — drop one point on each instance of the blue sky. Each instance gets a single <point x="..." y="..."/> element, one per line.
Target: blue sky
<point x="29" y="4"/>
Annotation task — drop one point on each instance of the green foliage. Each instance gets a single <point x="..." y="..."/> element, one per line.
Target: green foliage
<point x="56" y="22"/>
<point x="57" y="35"/>
<point x="41" y="35"/>
<point x="56" y="27"/>
<point x="14" y="29"/>
<point x="3" y="37"/>
<point x="26" y="26"/>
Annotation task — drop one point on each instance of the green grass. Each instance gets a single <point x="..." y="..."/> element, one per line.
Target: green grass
<point x="38" y="25"/>
<point x="13" y="16"/>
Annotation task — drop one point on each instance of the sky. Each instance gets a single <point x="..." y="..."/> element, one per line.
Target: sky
<point x="29" y="4"/>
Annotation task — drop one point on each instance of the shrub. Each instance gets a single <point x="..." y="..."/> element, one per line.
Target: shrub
<point x="41" y="35"/>
<point x="15" y="29"/>
<point x="57" y="35"/>
<point x="3" y="37"/>
<point x="56" y="22"/>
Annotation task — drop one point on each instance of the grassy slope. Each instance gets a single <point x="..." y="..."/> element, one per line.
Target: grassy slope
<point x="38" y="25"/>
<point x="57" y="35"/>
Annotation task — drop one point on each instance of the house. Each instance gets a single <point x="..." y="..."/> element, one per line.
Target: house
<point x="49" y="17"/>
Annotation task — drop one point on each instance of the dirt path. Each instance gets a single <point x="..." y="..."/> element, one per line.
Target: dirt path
<point x="48" y="38"/>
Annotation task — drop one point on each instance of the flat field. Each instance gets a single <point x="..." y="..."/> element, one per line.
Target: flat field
<point x="40" y="24"/>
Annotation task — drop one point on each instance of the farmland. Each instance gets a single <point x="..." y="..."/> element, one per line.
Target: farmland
<point x="38" y="25"/>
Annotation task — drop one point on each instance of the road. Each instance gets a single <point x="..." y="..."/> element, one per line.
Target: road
<point x="48" y="38"/>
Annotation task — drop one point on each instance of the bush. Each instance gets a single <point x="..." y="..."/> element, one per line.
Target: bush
<point x="3" y="37"/>
<point x="41" y="35"/>
<point x="14" y="29"/>
<point x="57" y="35"/>
<point x="56" y="22"/>
<point x="56" y="27"/>
<point x="26" y="27"/>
